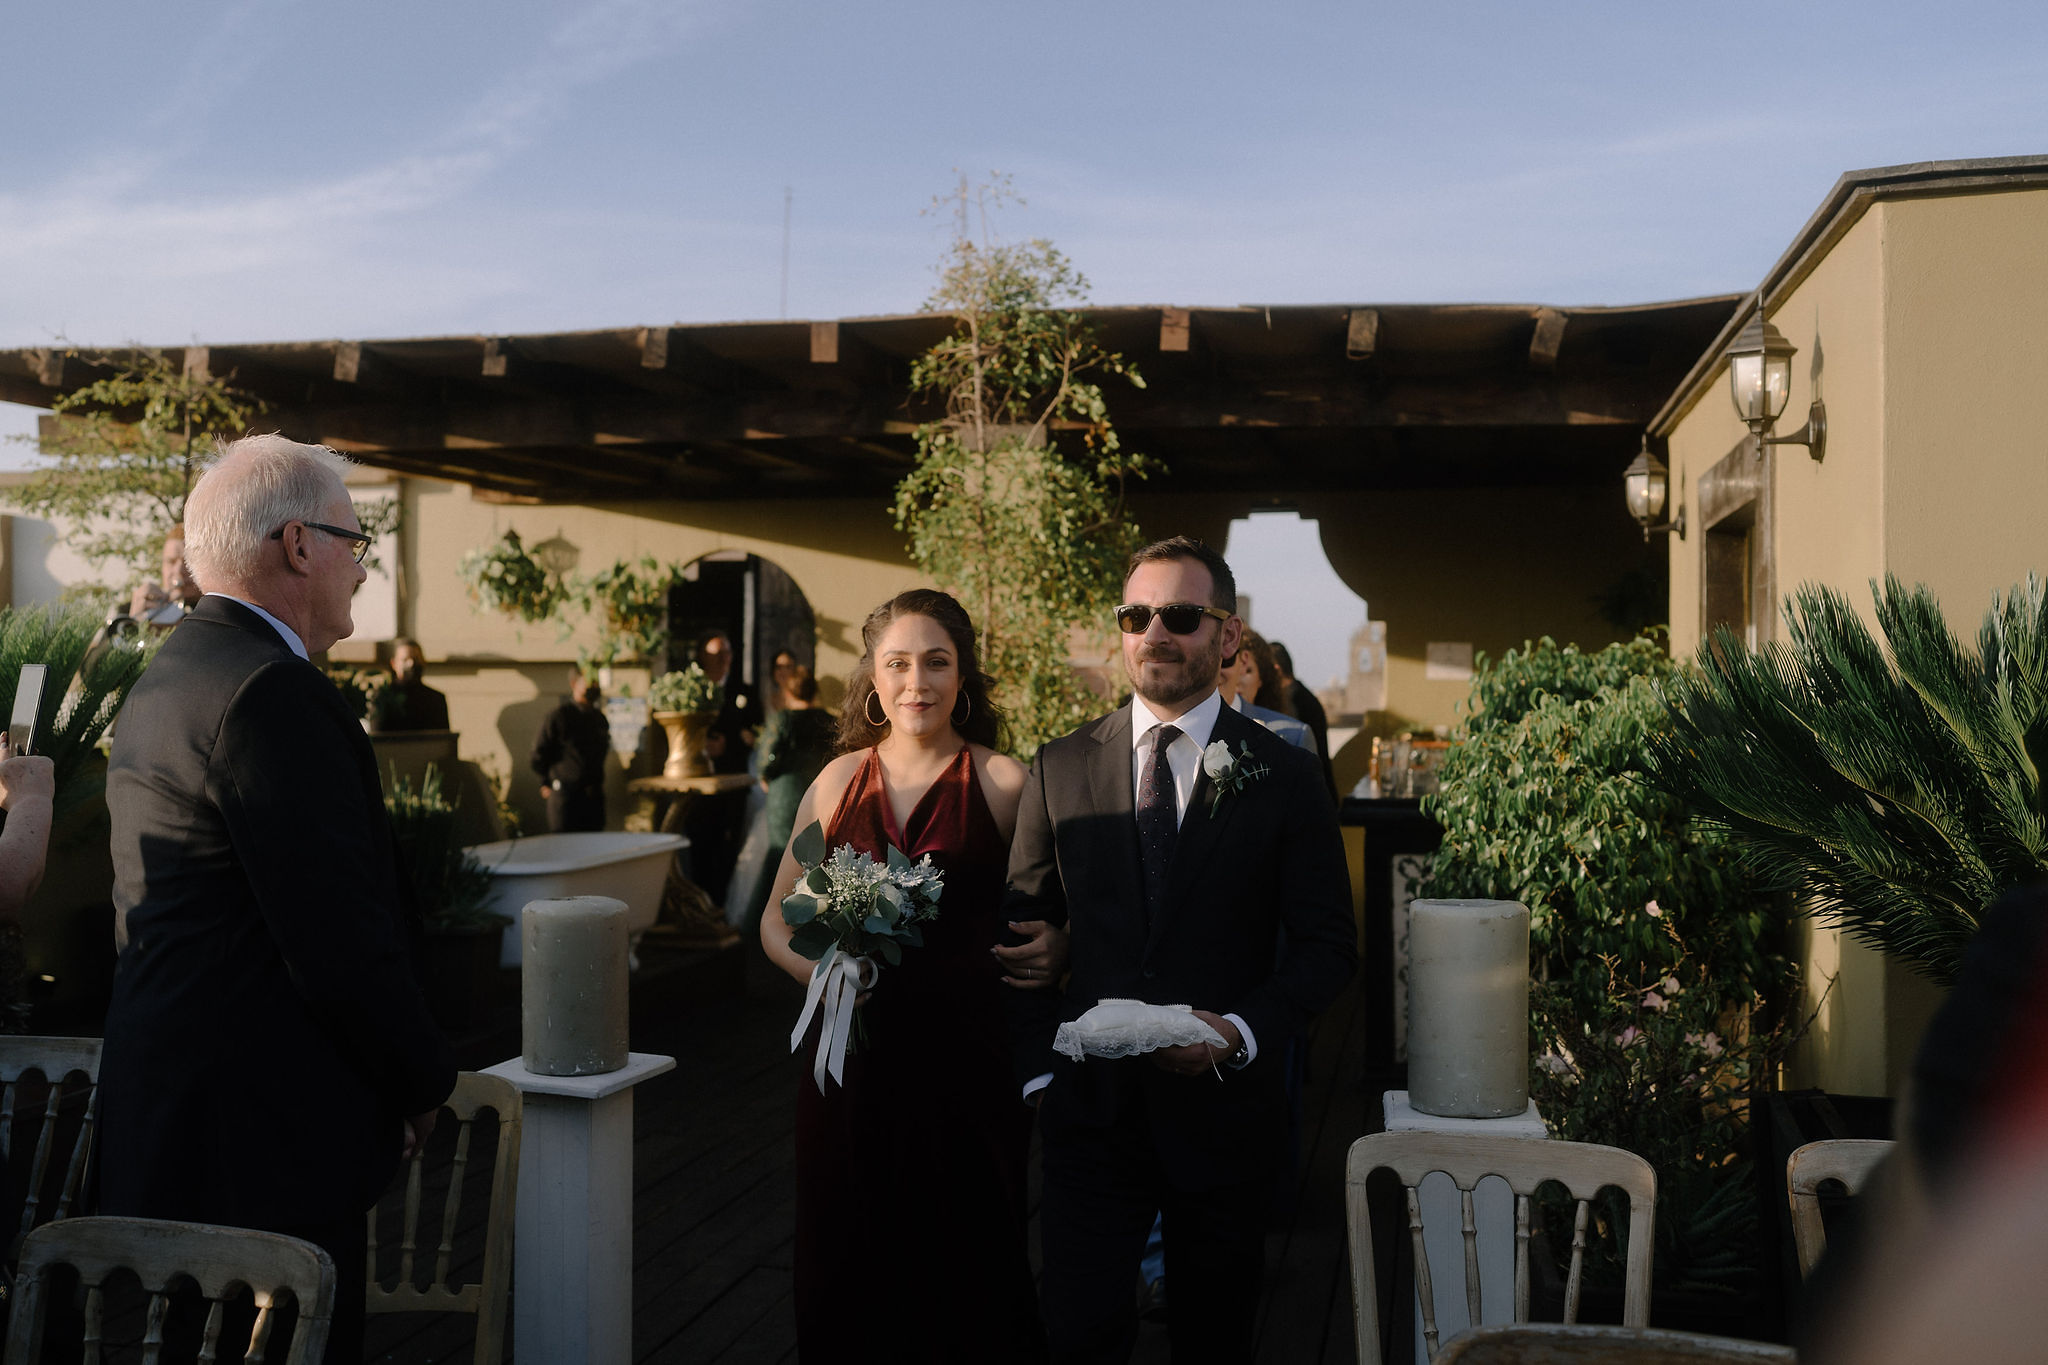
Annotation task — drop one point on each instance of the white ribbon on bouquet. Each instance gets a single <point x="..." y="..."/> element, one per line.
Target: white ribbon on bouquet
<point x="836" y="982"/>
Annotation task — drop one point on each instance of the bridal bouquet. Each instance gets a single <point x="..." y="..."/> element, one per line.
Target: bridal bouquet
<point x="846" y="910"/>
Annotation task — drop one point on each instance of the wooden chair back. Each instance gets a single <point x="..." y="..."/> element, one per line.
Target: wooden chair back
<point x="69" y="1072"/>
<point x="1847" y="1160"/>
<point x="1583" y="1169"/>
<point x="164" y="1257"/>
<point x="1556" y="1343"/>
<point x="488" y="1296"/>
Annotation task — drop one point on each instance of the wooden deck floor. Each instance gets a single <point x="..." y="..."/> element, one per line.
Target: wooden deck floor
<point x="713" y="1209"/>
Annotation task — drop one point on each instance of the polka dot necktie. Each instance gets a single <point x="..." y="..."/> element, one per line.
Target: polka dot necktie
<point x="1157" y="827"/>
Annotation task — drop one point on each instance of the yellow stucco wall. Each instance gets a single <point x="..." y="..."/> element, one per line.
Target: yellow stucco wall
<point x="1488" y="567"/>
<point x="1965" y="405"/>
<point x="503" y="677"/>
<point x="1931" y="316"/>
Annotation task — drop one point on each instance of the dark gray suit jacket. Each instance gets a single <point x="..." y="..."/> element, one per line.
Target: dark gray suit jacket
<point x="267" y="1034"/>
<point x="1256" y="922"/>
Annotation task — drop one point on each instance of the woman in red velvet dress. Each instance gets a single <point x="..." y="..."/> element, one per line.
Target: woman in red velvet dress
<point x="910" y="1177"/>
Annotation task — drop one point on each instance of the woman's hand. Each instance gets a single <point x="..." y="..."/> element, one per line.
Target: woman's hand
<point x="1037" y="963"/>
<point x="29" y="778"/>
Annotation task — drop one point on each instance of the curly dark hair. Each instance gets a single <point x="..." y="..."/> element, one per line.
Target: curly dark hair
<point x="984" y="723"/>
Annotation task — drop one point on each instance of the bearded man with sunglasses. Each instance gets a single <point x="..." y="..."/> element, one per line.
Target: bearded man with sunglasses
<point x="1188" y="875"/>
<point x="269" y="1057"/>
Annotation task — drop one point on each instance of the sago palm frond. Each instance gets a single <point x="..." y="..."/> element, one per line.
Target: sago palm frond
<point x="1896" y="784"/>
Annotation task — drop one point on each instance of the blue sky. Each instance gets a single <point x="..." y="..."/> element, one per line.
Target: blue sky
<point x="246" y="170"/>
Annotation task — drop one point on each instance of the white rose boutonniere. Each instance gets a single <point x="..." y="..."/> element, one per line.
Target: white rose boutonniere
<point x="1229" y="773"/>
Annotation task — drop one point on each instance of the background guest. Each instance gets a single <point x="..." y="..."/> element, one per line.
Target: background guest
<point x="161" y="603"/>
<point x="569" y="754"/>
<point x="1303" y="706"/>
<point x="797" y="743"/>
<point x="1252" y="684"/>
<point x="716" y="823"/>
<point x="408" y="703"/>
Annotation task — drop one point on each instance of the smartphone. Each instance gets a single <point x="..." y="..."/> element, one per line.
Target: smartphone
<point x="28" y="699"/>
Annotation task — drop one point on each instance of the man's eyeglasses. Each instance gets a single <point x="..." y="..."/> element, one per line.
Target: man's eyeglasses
<point x="1182" y="618"/>
<point x="363" y="542"/>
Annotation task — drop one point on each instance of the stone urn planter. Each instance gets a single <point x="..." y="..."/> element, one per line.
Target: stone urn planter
<point x="686" y="733"/>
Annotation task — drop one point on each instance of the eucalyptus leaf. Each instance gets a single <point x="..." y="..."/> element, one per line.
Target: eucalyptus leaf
<point x="808" y="848"/>
<point x="797" y="908"/>
<point x="812" y="940"/>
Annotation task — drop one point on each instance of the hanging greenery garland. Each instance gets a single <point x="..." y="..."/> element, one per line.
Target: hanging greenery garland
<point x="505" y="577"/>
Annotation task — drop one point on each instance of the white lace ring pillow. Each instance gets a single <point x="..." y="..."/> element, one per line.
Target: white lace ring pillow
<point x="1126" y="1028"/>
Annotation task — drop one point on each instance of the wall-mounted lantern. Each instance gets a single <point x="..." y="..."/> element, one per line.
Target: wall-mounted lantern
<point x="1646" y="483"/>
<point x="1760" y="382"/>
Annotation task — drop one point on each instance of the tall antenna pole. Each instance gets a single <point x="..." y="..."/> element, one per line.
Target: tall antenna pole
<point x="788" y="194"/>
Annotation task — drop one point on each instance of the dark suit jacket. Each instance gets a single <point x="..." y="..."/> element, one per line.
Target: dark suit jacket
<point x="267" y="1034"/>
<point x="1256" y="922"/>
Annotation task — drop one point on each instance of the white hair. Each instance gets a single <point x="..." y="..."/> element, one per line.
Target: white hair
<point x="252" y="488"/>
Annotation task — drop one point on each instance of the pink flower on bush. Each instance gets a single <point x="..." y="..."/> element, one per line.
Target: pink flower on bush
<point x="1652" y="911"/>
<point x="1708" y="1043"/>
<point x="1654" y="1001"/>
<point x="1628" y="1037"/>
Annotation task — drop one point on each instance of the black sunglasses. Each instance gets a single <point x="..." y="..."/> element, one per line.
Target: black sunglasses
<point x="363" y="542"/>
<point x="1182" y="618"/>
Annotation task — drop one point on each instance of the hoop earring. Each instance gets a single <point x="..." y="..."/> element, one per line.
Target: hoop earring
<point x="958" y="720"/>
<point x="868" y="710"/>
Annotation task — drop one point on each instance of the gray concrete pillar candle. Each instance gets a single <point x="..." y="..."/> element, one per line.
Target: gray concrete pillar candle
<point x="1468" y="1008"/>
<point x="573" y="985"/>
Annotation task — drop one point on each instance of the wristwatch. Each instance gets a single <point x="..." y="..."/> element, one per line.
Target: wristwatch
<point x="1239" y="1058"/>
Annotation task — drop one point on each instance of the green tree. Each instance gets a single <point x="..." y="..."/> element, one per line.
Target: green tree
<point x="125" y="450"/>
<point x="1016" y="504"/>
<point x="1649" y="944"/>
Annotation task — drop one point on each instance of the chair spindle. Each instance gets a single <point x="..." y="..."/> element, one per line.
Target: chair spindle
<point x="216" y="1318"/>
<point x="1521" y="1258"/>
<point x="1425" y="1294"/>
<point x="1571" y="1286"/>
<point x="1471" y="1230"/>
<point x="95" y="1323"/>
<point x="452" y="1207"/>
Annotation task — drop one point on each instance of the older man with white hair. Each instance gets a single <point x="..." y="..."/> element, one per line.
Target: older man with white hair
<point x="269" y="1057"/>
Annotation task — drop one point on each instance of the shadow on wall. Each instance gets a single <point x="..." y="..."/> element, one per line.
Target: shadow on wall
<point x="518" y="725"/>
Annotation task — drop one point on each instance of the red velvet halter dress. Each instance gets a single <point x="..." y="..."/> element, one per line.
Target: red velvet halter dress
<point x="910" y="1178"/>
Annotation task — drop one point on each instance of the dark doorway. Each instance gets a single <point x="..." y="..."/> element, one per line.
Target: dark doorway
<point x="758" y="606"/>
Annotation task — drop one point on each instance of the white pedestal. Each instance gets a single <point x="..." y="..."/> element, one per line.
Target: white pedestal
<point x="1443" y="1223"/>
<point x="572" y="1298"/>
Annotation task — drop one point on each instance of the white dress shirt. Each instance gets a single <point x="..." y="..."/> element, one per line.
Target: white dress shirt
<point x="291" y="637"/>
<point x="1183" y="756"/>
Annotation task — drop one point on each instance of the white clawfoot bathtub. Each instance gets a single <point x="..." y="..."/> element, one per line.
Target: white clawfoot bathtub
<point x="628" y="867"/>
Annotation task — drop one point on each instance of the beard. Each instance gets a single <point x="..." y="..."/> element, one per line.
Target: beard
<point x="1176" y="670"/>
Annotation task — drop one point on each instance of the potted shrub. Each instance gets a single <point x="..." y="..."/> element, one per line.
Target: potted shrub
<point x="1652" y="966"/>
<point x="684" y="704"/>
<point x="458" y="963"/>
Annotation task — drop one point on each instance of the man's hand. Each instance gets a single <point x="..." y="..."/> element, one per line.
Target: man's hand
<point x="1195" y="1059"/>
<point x="1036" y="963"/>
<point x="146" y="598"/>
<point x="418" y="1129"/>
